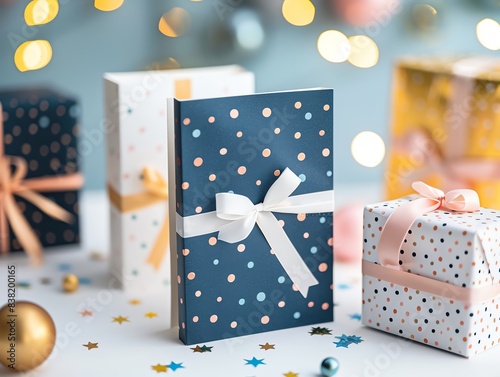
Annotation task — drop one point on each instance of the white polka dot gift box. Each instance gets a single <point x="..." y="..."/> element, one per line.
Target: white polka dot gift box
<point x="136" y="130"/>
<point x="431" y="270"/>
<point x="252" y="215"/>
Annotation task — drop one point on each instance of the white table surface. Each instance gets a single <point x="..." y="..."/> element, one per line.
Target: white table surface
<point x="132" y="348"/>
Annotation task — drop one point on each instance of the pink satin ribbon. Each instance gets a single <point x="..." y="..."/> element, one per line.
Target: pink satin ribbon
<point x="400" y="221"/>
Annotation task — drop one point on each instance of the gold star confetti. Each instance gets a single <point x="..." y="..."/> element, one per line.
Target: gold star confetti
<point x="120" y="319"/>
<point x="86" y="313"/>
<point x="150" y="315"/>
<point x="267" y="346"/>
<point x="134" y="302"/>
<point x="291" y="374"/>
<point x="91" y="345"/>
<point x="158" y="368"/>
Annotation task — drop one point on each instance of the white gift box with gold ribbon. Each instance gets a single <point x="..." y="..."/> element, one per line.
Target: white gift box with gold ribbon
<point x="136" y="131"/>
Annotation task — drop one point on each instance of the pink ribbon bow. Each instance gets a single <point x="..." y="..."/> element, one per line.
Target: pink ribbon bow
<point x="400" y="221"/>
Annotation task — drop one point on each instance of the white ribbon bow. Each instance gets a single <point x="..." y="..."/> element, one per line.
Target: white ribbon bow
<point x="236" y="217"/>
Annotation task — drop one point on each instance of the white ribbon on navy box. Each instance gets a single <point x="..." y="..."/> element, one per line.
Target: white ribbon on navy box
<point x="236" y="216"/>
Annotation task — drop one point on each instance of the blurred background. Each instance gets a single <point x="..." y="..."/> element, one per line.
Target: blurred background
<point x="283" y="42"/>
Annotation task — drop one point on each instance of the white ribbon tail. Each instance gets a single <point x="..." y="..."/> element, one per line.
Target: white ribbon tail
<point x="287" y="254"/>
<point x="198" y="225"/>
<point x="316" y="202"/>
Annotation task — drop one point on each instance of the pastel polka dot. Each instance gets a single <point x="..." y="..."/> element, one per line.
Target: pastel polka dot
<point x="250" y="264"/>
<point x="322" y="267"/>
<point x="219" y="299"/>
<point x="261" y="296"/>
<point x="43" y="121"/>
<point x="306" y="235"/>
<point x="310" y="304"/>
<point x="213" y="318"/>
<point x="281" y="279"/>
<point x="234" y="113"/>
<point x="216" y="262"/>
<point x="302" y="177"/>
<point x="281" y="304"/>
<point x="239" y="134"/>
<point x="296" y="315"/>
<point x="196" y="319"/>
<point x="329" y="173"/>
<point x="277" y="173"/>
<point x="264" y="320"/>
<point x="314" y="250"/>
<point x="185" y="252"/>
<point x="223" y="151"/>
<point x="198" y="209"/>
<point x="322" y="220"/>
<point x="298" y="105"/>
<point x="186" y="121"/>
<point x="211" y="119"/>
<point x="241" y="247"/>
<point x="212" y="177"/>
<point x="325" y="152"/>
<point x="326" y="107"/>
<point x="322" y="133"/>
<point x="198" y="161"/>
<point x="301" y="216"/>
<point x="308" y="116"/>
<point x="267" y="112"/>
<point x="212" y="241"/>
<point x="196" y="133"/>
<point x="242" y="170"/>
<point x="241" y="301"/>
<point x="231" y="278"/>
<point x="178" y="279"/>
<point x="295" y="288"/>
<point x="258" y="182"/>
<point x="277" y="130"/>
<point x="197" y="293"/>
<point x="301" y="156"/>
<point x="266" y="152"/>
<point x="234" y="324"/>
<point x="185" y="185"/>
<point x="325" y="306"/>
<point x="297" y="135"/>
<point x="191" y="276"/>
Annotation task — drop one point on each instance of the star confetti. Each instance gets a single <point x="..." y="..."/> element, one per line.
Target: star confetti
<point x="64" y="266"/>
<point x="158" y="368"/>
<point x="255" y="362"/>
<point x="24" y="284"/>
<point x="120" y="319"/>
<point x="86" y="313"/>
<point x="320" y="331"/>
<point x="343" y="286"/>
<point x="150" y="315"/>
<point x="174" y="366"/>
<point x="267" y="346"/>
<point x="84" y="280"/>
<point x="134" y="302"/>
<point x="291" y="374"/>
<point x="45" y="281"/>
<point x="345" y="340"/>
<point x="91" y="345"/>
<point x="202" y="349"/>
<point x="356" y="316"/>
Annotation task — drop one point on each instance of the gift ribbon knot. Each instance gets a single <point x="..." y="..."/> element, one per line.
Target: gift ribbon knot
<point x="400" y="221"/>
<point x="236" y="216"/>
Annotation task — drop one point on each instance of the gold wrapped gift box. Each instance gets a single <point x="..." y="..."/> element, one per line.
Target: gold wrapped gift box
<point x="446" y="126"/>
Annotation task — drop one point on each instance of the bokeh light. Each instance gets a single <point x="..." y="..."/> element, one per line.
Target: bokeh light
<point x="108" y="5"/>
<point x="488" y="33"/>
<point x="249" y="29"/>
<point x="175" y="22"/>
<point x="364" y="51"/>
<point x="298" y="12"/>
<point x="334" y="46"/>
<point x="368" y="149"/>
<point x="33" y="55"/>
<point x="40" y="12"/>
<point x="425" y="17"/>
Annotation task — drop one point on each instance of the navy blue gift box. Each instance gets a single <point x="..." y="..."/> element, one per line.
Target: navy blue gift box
<point x="40" y="128"/>
<point x="225" y="156"/>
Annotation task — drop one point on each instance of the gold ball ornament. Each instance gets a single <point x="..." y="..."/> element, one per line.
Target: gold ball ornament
<point x="27" y="336"/>
<point x="70" y="283"/>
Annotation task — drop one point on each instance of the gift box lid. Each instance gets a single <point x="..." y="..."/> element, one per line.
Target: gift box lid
<point x="460" y="248"/>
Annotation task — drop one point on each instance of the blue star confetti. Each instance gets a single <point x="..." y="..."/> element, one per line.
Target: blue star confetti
<point x="84" y="280"/>
<point x="24" y="284"/>
<point x="343" y="286"/>
<point x="254" y="362"/>
<point x="64" y="266"/>
<point x="355" y="316"/>
<point x="346" y="340"/>
<point x="174" y="366"/>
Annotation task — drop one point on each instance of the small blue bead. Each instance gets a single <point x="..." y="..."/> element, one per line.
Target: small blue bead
<point x="329" y="367"/>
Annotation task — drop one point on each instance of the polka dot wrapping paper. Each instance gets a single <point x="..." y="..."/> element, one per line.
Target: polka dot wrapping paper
<point x="432" y="107"/>
<point x="459" y="248"/>
<point x="41" y="127"/>
<point x="136" y="133"/>
<point x="243" y="145"/>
